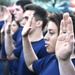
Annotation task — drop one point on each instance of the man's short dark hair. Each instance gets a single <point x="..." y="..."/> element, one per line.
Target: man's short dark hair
<point x="23" y="3"/>
<point x="39" y="14"/>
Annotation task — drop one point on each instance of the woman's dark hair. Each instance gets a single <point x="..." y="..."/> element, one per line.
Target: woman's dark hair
<point x="56" y="18"/>
<point x="18" y="24"/>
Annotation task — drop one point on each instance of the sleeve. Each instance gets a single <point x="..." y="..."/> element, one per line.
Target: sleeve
<point x="1" y="24"/>
<point x="37" y="69"/>
<point x="73" y="60"/>
<point x="3" y="50"/>
<point x="18" y="51"/>
<point x="42" y="63"/>
<point x="42" y="52"/>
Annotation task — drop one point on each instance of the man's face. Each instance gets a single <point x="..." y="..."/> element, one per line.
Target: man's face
<point x="18" y="13"/>
<point x="26" y="16"/>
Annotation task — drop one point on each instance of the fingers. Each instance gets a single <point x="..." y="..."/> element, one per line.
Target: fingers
<point x="71" y="42"/>
<point x="65" y="16"/>
<point x="6" y="13"/>
<point x="70" y="26"/>
<point x="69" y="29"/>
<point x="29" y="20"/>
<point x="66" y="24"/>
<point x="5" y="9"/>
<point x="27" y="27"/>
<point x="62" y="27"/>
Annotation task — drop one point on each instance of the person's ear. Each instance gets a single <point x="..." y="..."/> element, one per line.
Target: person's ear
<point x="39" y="23"/>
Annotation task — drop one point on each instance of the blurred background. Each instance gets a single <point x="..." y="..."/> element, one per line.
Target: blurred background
<point x="50" y="5"/>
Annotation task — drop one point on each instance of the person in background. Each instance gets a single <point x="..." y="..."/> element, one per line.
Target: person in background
<point x="15" y="54"/>
<point x="36" y="36"/>
<point x="14" y="31"/>
<point x="19" y="9"/>
<point x="58" y="41"/>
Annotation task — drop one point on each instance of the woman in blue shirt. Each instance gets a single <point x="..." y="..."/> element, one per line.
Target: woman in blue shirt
<point x="59" y="40"/>
<point x="15" y="29"/>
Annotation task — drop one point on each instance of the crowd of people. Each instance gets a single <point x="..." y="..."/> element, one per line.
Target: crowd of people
<point x="36" y="42"/>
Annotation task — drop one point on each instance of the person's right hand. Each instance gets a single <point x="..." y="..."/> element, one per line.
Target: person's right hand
<point x="27" y="26"/>
<point x="64" y="44"/>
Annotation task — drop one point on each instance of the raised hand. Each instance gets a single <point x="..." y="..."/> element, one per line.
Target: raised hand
<point x="64" y="45"/>
<point x="7" y="14"/>
<point x="27" y="26"/>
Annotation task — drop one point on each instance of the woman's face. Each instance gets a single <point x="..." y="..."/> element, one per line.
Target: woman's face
<point x="51" y="37"/>
<point x="14" y="27"/>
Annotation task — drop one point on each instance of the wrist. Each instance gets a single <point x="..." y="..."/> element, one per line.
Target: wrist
<point x="26" y="35"/>
<point x="64" y="60"/>
<point x="8" y="32"/>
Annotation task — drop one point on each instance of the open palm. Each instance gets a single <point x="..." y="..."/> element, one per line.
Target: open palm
<point x="64" y="44"/>
<point x="7" y="14"/>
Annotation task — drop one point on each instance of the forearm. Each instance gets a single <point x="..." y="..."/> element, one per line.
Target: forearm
<point x="66" y="67"/>
<point x="9" y="46"/>
<point x="29" y="54"/>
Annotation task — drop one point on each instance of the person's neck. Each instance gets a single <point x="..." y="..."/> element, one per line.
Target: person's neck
<point x="36" y="37"/>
